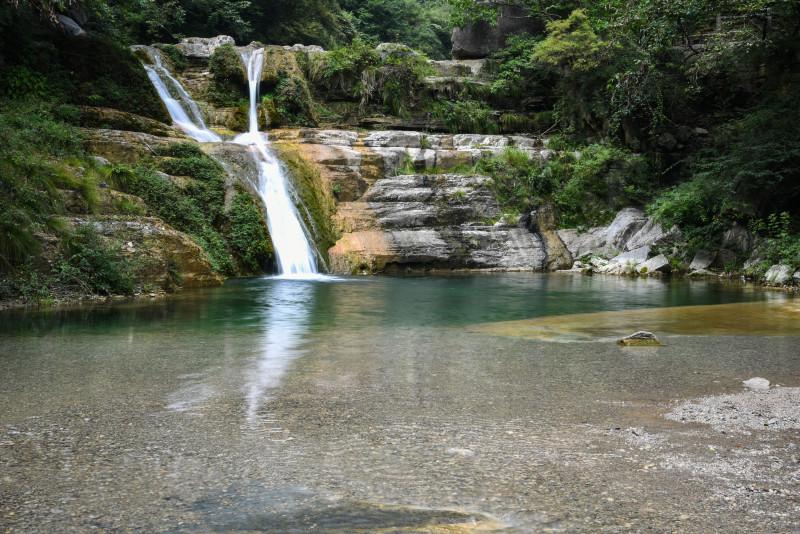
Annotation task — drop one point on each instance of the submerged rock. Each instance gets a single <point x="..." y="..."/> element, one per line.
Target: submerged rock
<point x="757" y="384"/>
<point x="640" y="339"/>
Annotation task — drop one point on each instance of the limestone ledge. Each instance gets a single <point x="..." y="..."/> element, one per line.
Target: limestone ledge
<point x="430" y="221"/>
<point x="351" y="161"/>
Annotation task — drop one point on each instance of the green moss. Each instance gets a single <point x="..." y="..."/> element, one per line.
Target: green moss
<point x="229" y="78"/>
<point x="316" y="197"/>
<point x="176" y="57"/>
<point x="196" y="210"/>
<point x="248" y="235"/>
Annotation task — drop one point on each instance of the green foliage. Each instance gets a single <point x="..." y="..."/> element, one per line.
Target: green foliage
<point x="391" y="79"/>
<point x="30" y="139"/>
<point x="750" y="171"/>
<point x="293" y="102"/>
<point x="466" y="116"/>
<point x="587" y="186"/>
<point x="571" y="44"/>
<point x="93" y="265"/>
<point x="193" y="211"/>
<point x="421" y="24"/>
<point x="248" y="236"/>
<point x="176" y="57"/>
<point x="597" y="181"/>
<point x="227" y="86"/>
<point x="518" y="181"/>
<point x="782" y="242"/>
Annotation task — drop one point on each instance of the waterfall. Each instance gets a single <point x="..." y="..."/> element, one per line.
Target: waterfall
<point x="182" y="109"/>
<point x="292" y="246"/>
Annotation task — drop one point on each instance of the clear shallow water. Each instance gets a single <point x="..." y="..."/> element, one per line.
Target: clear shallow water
<point x="267" y="402"/>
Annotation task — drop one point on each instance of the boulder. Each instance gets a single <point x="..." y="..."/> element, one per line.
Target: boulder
<point x="481" y="39"/>
<point x="395" y="50"/>
<point x="307" y="49"/>
<point x="651" y="234"/>
<point x="778" y="275"/>
<point x="120" y="146"/>
<point x="460" y="68"/>
<point x="114" y="119"/>
<point x="640" y="339"/>
<point x="702" y="260"/>
<point x="657" y="264"/>
<point x="738" y="239"/>
<point x="757" y="384"/>
<point x="203" y="47"/>
<point x="625" y="225"/>
<point x="160" y="251"/>
<point x="580" y="244"/>
<point x="634" y="257"/>
<point x="543" y="222"/>
<point x="69" y="26"/>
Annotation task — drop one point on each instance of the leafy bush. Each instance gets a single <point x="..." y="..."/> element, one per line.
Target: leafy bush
<point x="466" y="116"/>
<point x="91" y="264"/>
<point x="518" y="181"/>
<point x="391" y="79"/>
<point x="781" y="245"/>
<point x="187" y="213"/>
<point x="30" y="138"/>
<point x="587" y="186"/>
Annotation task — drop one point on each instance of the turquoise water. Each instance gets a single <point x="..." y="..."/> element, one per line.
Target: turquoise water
<point x="293" y="406"/>
<point x="354" y="302"/>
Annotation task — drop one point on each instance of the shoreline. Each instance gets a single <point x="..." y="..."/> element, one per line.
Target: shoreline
<point x="67" y="301"/>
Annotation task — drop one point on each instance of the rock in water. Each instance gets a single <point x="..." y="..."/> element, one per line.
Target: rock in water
<point x="757" y="384"/>
<point x="640" y="339"/>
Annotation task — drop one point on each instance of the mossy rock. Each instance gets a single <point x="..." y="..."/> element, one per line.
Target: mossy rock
<point x="317" y="198"/>
<point x="229" y="77"/>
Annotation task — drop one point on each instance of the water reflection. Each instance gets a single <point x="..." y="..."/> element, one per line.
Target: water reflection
<point x="286" y="308"/>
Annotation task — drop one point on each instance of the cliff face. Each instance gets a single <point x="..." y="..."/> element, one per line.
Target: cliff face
<point x="374" y="200"/>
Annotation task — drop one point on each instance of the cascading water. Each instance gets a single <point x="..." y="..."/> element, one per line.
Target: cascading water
<point x="292" y="246"/>
<point x="182" y="109"/>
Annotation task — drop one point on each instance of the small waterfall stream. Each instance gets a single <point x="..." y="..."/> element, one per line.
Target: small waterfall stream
<point x="292" y="245"/>
<point x="182" y="109"/>
<point x="293" y="248"/>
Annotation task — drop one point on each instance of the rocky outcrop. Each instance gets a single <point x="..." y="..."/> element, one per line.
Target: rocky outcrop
<point x="542" y="221"/>
<point x="430" y="221"/>
<point x="160" y="255"/>
<point x="121" y="146"/>
<point x="629" y="245"/>
<point x="202" y="48"/>
<point x="630" y="230"/>
<point x="351" y="161"/>
<point x="481" y="39"/>
<point x="113" y="119"/>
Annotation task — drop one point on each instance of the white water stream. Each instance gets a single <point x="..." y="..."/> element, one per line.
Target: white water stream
<point x="182" y="109"/>
<point x="293" y="248"/>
